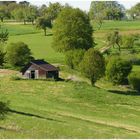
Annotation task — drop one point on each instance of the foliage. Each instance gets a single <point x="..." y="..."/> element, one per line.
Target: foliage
<point x="3" y="39"/>
<point x="3" y="36"/>
<point x="93" y="65"/>
<point x="18" y="54"/>
<point x="72" y="30"/>
<point x="117" y="70"/>
<point x="3" y="109"/>
<point x="74" y="57"/>
<point x="43" y="23"/>
<point x="53" y="10"/>
<point x="109" y="10"/>
<point x="134" y="80"/>
<point x="130" y="40"/>
<point x="15" y="77"/>
<point x="135" y="11"/>
<point x="114" y="38"/>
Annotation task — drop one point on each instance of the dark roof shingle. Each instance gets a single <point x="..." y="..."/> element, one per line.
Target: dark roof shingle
<point x="42" y="64"/>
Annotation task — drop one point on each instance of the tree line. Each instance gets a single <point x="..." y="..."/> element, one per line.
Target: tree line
<point x="105" y="10"/>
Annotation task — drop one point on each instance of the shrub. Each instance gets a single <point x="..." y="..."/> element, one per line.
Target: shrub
<point x="74" y="57"/>
<point x="117" y="70"/>
<point x="18" y="54"/>
<point x="3" y="109"/>
<point x="15" y="77"/>
<point x="93" y="65"/>
<point x="134" y="80"/>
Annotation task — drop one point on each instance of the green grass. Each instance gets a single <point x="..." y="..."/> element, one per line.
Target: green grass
<point x="40" y="46"/>
<point x="72" y="110"/>
<point x="121" y="25"/>
<point x="20" y="29"/>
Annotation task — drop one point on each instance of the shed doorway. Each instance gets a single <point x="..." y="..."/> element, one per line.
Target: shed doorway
<point x="32" y="74"/>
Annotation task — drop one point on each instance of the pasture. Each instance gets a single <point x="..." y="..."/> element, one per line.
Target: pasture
<point x="45" y="109"/>
<point x="67" y="109"/>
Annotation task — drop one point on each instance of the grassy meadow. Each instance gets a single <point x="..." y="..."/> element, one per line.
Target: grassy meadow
<point x="67" y="109"/>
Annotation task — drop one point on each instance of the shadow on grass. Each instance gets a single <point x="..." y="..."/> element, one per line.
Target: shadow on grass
<point x="49" y="34"/>
<point x="33" y="115"/>
<point x="131" y="93"/>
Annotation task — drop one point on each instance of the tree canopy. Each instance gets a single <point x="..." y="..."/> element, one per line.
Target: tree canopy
<point x="110" y="10"/>
<point x="18" y="54"/>
<point x="72" y="30"/>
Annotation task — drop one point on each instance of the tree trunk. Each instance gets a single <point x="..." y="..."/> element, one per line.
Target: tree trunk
<point x="45" y="32"/>
<point x="1" y="19"/>
<point x="24" y="22"/>
<point x="119" y="47"/>
<point x="32" y="22"/>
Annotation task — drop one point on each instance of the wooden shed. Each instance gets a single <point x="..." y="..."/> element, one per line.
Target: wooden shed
<point x="39" y="69"/>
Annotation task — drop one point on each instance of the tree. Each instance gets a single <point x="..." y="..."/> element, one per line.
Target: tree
<point x="53" y="10"/>
<point x="106" y="10"/>
<point x="3" y="39"/>
<point x="18" y="54"/>
<point x="74" y="57"/>
<point x="93" y="65"/>
<point x="117" y="70"/>
<point x="18" y="14"/>
<point x="4" y="13"/>
<point x="135" y="11"/>
<point x="43" y="23"/>
<point x="113" y="39"/>
<point x="42" y="10"/>
<point x="72" y="30"/>
<point x="97" y="12"/>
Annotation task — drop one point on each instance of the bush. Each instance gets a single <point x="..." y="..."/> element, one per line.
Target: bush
<point x="74" y="57"/>
<point x="134" y="80"/>
<point x="3" y="109"/>
<point x="117" y="70"/>
<point x="93" y="65"/>
<point x="18" y="54"/>
<point x="15" y="77"/>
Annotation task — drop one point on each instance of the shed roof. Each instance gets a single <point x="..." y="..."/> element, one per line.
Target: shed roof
<point x="42" y="64"/>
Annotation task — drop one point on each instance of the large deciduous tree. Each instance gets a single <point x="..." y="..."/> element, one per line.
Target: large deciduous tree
<point x="72" y="30"/>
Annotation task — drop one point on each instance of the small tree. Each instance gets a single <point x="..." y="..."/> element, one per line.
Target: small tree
<point x="117" y="70"/>
<point x="113" y="39"/>
<point x="3" y="39"/>
<point x="18" y="54"/>
<point x="3" y="109"/>
<point x="134" y="80"/>
<point x="93" y="65"/>
<point x="43" y="23"/>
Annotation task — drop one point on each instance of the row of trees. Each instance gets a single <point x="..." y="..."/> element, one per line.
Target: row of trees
<point x="99" y="11"/>
<point x="24" y="11"/>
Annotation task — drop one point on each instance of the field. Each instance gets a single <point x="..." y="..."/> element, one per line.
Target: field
<point x="67" y="109"/>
